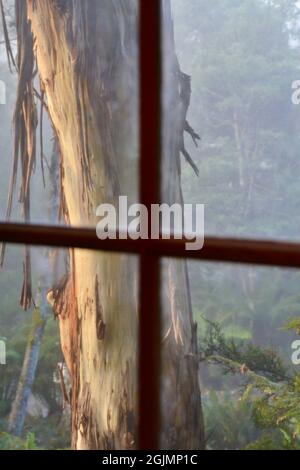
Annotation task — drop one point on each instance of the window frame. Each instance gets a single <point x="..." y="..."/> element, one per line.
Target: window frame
<point x="150" y="252"/>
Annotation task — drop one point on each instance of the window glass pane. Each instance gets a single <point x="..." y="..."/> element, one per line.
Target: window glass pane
<point x="75" y="344"/>
<point x="83" y="141"/>
<point x="243" y="354"/>
<point x="243" y="60"/>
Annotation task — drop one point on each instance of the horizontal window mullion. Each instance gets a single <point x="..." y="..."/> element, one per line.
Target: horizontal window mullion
<point x="269" y="253"/>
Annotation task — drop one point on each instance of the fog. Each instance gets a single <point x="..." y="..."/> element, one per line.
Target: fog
<point x="243" y="58"/>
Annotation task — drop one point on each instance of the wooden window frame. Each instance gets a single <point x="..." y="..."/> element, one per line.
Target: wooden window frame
<point x="257" y="252"/>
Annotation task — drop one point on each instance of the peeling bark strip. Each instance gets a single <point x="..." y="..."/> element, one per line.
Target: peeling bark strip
<point x="64" y="393"/>
<point x="63" y="301"/>
<point x="86" y="53"/>
<point x="84" y="410"/>
<point x="25" y="124"/>
<point x="100" y="325"/>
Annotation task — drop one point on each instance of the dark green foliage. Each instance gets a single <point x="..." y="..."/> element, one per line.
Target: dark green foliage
<point x="7" y="441"/>
<point x="276" y="408"/>
<point x="261" y="361"/>
<point x="267" y="399"/>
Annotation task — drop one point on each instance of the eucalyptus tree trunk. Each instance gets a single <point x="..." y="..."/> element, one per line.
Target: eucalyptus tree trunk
<point x="86" y="55"/>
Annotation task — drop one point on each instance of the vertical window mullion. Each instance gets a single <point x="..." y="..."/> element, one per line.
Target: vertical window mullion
<point x="150" y="153"/>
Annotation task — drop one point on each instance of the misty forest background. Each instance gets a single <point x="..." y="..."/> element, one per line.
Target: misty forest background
<point x="243" y="58"/>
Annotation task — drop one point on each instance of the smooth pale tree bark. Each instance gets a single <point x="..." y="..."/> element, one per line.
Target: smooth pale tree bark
<point x="86" y="55"/>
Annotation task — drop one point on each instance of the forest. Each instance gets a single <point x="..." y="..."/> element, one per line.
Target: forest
<point x="69" y="140"/>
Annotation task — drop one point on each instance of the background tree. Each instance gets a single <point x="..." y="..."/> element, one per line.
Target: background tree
<point x="244" y="58"/>
<point x="87" y="62"/>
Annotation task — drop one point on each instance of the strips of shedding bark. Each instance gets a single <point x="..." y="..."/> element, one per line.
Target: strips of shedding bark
<point x="8" y="48"/>
<point x="25" y="124"/>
